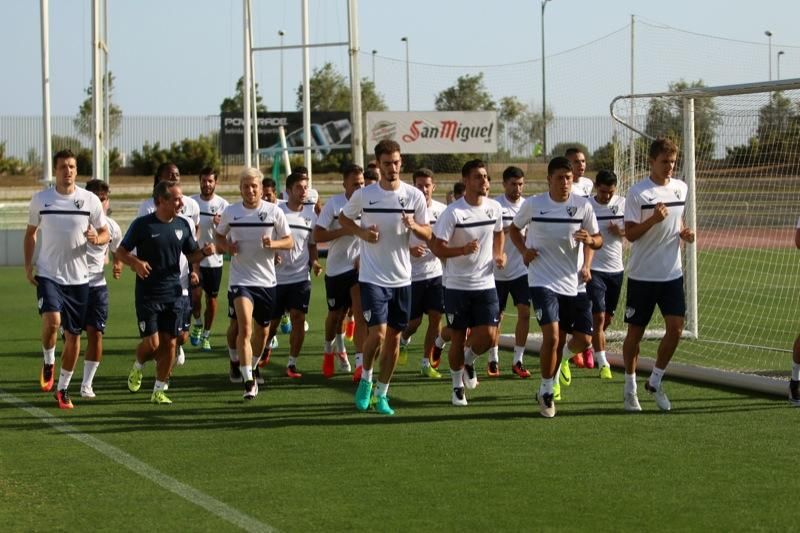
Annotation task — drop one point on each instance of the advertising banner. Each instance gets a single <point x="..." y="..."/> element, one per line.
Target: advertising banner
<point x="435" y="132"/>
<point x="329" y="131"/>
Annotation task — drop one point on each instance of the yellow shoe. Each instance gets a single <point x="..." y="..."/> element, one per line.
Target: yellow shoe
<point x="605" y="372"/>
<point x="430" y="372"/>
<point x="160" y="398"/>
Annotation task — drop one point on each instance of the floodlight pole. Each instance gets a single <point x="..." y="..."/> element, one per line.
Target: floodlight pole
<point x="248" y="124"/>
<point x="47" y="162"/>
<point x="97" y="96"/>
<point x="780" y="53"/>
<point x="544" y="90"/>
<point x="769" y="50"/>
<point x="357" y="140"/>
<point x="374" y="53"/>
<point x="253" y="92"/>
<point x="281" y="33"/>
<point x="408" y="77"/>
<point x="307" y="139"/>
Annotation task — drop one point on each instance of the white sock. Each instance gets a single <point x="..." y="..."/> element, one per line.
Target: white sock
<point x="180" y="352"/>
<point x="64" y="379"/>
<point x="198" y="322"/>
<point x="359" y="359"/>
<point x="458" y="378"/>
<point x="404" y="341"/>
<point x="138" y="365"/>
<point x="439" y="342"/>
<point x="292" y="361"/>
<point x="233" y="353"/>
<point x="49" y="355"/>
<point x="630" y="383"/>
<point x="600" y="357"/>
<point x="655" y="378"/>
<point x="160" y="385"/>
<point x="546" y="387"/>
<point x="206" y="333"/>
<point x="795" y="371"/>
<point x="519" y="352"/>
<point x="366" y="375"/>
<point x="425" y="362"/>
<point x="89" y="369"/>
<point x="247" y="372"/>
<point x="493" y="356"/>
<point x="381" y="389"/>
<point x="338" y="343"/>
<point x="328" y="347"/>
<point x="469" y="356"/>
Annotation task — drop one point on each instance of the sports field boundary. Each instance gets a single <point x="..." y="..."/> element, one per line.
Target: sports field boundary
<point x="180" y="489"/>
<point x="700" y="374"/>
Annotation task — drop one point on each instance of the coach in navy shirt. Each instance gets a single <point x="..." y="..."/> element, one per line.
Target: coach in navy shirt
<point x="159" y="239"/>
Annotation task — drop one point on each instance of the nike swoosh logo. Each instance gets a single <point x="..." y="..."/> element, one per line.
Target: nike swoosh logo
<point x="467" y="218"/>
<point x="373" y="203"/>
<point x="48" y="205"/>
<point x="545" y="212"/>
<point x="236" y="218"/>
<point x="154" y="235"/>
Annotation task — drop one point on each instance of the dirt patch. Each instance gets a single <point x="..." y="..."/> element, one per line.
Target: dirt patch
<point x="748" y="238"/>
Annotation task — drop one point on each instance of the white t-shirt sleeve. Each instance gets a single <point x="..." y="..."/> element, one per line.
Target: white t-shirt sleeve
<point x="325" y="218"/>
<point x="523" y="216"/>
<point x="116" y="235"/>
<point x="443" y="230"/>
<point x="96" y="216"/>
<point x="352" y="209"/>
<point x="421" y="210"/>
<point x="633" y="212"/>
<point x="33" y="212"/>
<point x="281" y="224"/>
<point x="224" y="224"/>
<point x="590" y="220"/>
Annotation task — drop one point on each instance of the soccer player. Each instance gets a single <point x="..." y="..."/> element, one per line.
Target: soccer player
<point x="607" y="270"/>
<point x="341" y="277"/>
<point x="456" y="193"/>
<point x="794" y="382"/>
<point x="293" y="289"/>
<point x="513" y="278"/>
<point x="655" y="228"/>
<point x="427" y="292"/>
<point x="189" y="276"/>
<point x="390" y="212"/>
<point x="251" y="231"/>
<point x="371" y="176"/>
<point x="97" y="308"/>
<point x="469" y="238"/>
<point x="268" y="193"/>
<point x="312" y="196"/>
<point x="68" y="219"/>
<point x="159" y="239"/>
<point x="210" y="269"/>
<point x="581" y="185"/>
<point x="556" y="223"/>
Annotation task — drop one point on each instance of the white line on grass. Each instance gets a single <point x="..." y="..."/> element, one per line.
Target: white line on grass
<point x="188" y="493"/>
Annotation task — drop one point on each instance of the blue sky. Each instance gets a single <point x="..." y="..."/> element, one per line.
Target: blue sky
<point x="182" y="57"/>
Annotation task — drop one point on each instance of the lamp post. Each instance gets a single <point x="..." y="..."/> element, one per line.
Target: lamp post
<point x="544" y="90"/>
<point x="769" y="46"/>
<point x="374" y="53"/>
<point x="408" y="77"/>
<point x="281" y="33"/>
<point x="780" y="53"/>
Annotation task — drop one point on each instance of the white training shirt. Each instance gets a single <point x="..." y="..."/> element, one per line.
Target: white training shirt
<point x="550" y="228"/>
<point x="386" y="263"/>
<point x="62" y="221"/>
<point x="428" y="266"/>
<point x="342" y="251"/>
<point x="253" y="265"/>
<point x="656" y="255"/>
<point x="97" y="254"/>
<point x="515" y="266"/>
<point x="209" y="209"/>
<point x="461" y="223"/>
<point x="189" y="212"/>
<point x="293" y="267"/>
<point x="583" y="187"/>
<point x="609" y="257"/>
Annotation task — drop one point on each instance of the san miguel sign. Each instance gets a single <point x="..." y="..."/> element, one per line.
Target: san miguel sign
<point x="436" y="132"/>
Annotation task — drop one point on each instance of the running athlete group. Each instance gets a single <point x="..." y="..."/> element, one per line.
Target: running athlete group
<point x="394" y="255"/>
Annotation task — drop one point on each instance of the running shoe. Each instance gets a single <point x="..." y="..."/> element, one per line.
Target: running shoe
<point x="234" y="373"/>
<point x="349" y="329"/>
<point x="257" y="376"/>
<point x="382" y="406"/>
<point x="556" y="391"/>
<point x="62" y="397"/>
<point x="436" y="357"/>
<point x="631" y="402"/>
<point x="250" y="390"/>
<point x="577" y="360"/>
<point x="547" y="406"/>
<point x="134" y="379"/>
<point x="264" y="360"/>
<point x="429" y="372"/>
<point x="605" y="372"/>
<point x="363" y="393"/>
<point x="493" y="369"/>
<point x="344" y="362"/>
<point x="291" y="371"/>
<point x="588" y="357"/>
<point x="470" y="377"/>
<point x="159" y="398"/>
<point x="459" y="399"/>
<point x="87" y="391"/>
<point x="565" y="374"/>
<point x="195" y="335"/>
<point x="357" y="374"/>
<point x="659" y="396"/>
<point x="285" y="325"/>
<point x="46" y="377"/>
<point x="520" y="370"/>
<point x="206" y="345"/>
<point x="328" y="366"/>
<point x="402" y="359"/>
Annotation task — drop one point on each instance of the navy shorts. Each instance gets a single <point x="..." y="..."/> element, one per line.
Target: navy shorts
<point x="163" y="317"/>
<point x="291" y="296"/>
<point x="263" y="299"/>
<point x="97" y="308"/>
<point x="427" y="295"/>
<point x="469" y="309"/>
<point x="386" y="305"/>
<point x="517" y="288"/>
<point x="573" y="313"/>
<point x="337" y="289"/>
<point x="210" y="280"/>
<point x="604" y="289"/>
<point x="643" y="296"/>
<point x="186" y="313"/>
<point x="68" y="300"/>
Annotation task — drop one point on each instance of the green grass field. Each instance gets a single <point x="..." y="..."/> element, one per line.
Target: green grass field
<point x="301" y="458"/>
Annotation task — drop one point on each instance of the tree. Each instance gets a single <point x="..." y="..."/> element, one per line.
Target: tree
<point x="83" y="122"/>
<point x="236" y="104"/>
<point x="777" y="135"/>
<point x="665" y="118"/>
<point x="329" y="90"/>
<point x="522" y="125"/>
<point x="468" y="94"/>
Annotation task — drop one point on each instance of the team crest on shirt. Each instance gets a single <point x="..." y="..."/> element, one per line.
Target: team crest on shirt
<point x="331" y="302"/>
<point x="614" y="209"/>
<point x="677" y="194"/>
<point x="307" y="221"/>
<point x="142" y="326"/>
<point x="571" y="210"/>
<point x="78" y="204"/>
<point x="629" y="312"/>
<point x="367" y="314"/>
<point x="402" y="201"/>
<point x="213" y="210"/>
<point x="179" y="234"/>
<point x="262" y="216"/>
<point x="489" y="213"/>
